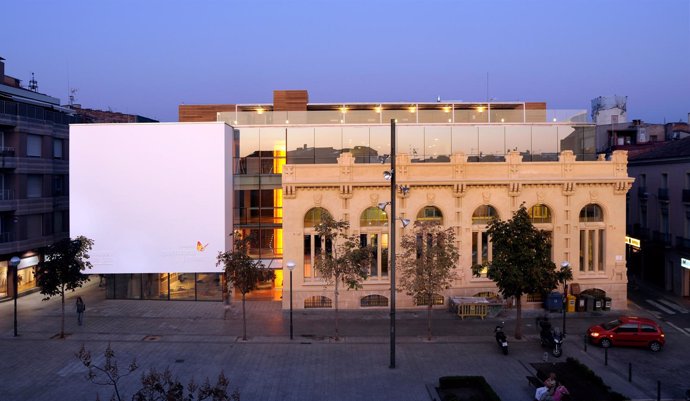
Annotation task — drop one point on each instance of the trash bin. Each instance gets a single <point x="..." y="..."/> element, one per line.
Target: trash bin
<point x="571" y="303"/>
<point x="581" y="304"/>
<point x="589" y="302"/>
<point x="598" y="303"/>
<point x="607" y="303"/>
<point x="554" y="302"/>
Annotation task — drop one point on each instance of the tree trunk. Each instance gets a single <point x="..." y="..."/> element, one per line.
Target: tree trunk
<point x="62" y="322"/>
<point x="244" y="318"/>
<point x="428" y="319"/>
<point x="518" y="317"/>
<point x="337" y="336"/>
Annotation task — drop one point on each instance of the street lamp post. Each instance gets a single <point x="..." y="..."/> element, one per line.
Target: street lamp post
<point x="14" y="264"/>
<point x="565" y="265"/>
<point x="291" y="267"/>
<point x="392" y="257"/>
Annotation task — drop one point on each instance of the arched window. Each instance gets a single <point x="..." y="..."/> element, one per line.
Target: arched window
<point x="314" y="216"/>
<point x="373" y="217"/>
<point x="483" y="214"/>
<point x="539" y="214"/>
<point x="373" y="225"/>
<point x="318" y="301"/>
<point x="481" y="243"/>
<point x="541" y="218"/>
<point x="312" y="240"/>
<point x="430" y="213"/>
<point x="373" y="301"/>
<point x="591" y="213"/>
<point x="592" y="239"/>
<point x="436" y="299"/>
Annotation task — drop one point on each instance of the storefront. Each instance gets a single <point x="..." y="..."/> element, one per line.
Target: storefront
<point x="165" y="286"/>
<point x="26" y="279"/>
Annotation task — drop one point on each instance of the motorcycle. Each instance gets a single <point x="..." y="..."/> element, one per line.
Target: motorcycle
<point x="550" y="337"/>
<point x="501" y="339"/>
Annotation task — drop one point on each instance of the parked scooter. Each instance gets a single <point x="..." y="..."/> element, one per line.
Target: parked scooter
<point x="550" y="337"/>
<point x="501" y="338"/>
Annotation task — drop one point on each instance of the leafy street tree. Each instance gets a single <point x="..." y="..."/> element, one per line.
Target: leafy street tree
<point x="521" y="261"/>
<point x="242" y="271"/>
<point x="342" y="259"/>
<point x="61" y="269"/>
<point x="155" y="385"/>
<point x="427" y="263"/>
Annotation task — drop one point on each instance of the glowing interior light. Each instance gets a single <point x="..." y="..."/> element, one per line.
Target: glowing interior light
<point x="503" y="120"/>
<point x="260" y="110"/>
<point x="377" y="109"/>
<point x="446" y="109"/>
<point x="554" y="119"/>
<point x="343" y="109"/>
<point x="480" y="109"/>
<point x="412" y="109"/>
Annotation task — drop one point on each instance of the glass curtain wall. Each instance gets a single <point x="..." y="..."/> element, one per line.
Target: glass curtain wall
<point x="165" y="286"/>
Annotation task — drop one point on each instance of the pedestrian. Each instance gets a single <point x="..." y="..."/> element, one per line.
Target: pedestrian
<point x="81" y="307"/>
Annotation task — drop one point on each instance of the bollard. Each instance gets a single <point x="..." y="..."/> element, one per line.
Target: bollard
<point x="585" y="342"/>
<point x="606" y="357"/>
<point x="629" y="371"/>
<point x="658" y="390"/>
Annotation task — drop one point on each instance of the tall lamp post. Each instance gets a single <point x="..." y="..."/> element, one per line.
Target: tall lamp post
<point x="14" y="264"/>
<point x="565" y="265"/>
<point x="291" y="267"/>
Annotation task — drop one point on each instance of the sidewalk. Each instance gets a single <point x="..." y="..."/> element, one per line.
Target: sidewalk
<point x="194" y="341"/>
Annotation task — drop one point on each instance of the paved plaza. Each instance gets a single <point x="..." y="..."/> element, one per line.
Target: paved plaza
<point x="194" y="340"/>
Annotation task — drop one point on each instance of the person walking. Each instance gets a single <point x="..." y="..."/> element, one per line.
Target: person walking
<point x="81" y="307"/>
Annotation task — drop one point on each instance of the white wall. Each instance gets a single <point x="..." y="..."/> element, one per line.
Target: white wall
<point x="146" y="193"/>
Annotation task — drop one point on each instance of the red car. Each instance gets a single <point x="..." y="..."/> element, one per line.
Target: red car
<point x="628" y="330"/>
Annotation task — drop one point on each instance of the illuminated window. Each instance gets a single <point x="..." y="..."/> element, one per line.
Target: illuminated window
<point x="430" y="213"/>
<point x="374" y="233"/>
<point x="313" y="244"/>
<point x="484" y="214"/>
<point x="540" y="214"/>
<point x="373" y="217"/>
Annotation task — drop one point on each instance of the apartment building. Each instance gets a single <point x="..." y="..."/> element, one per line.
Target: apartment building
<point x="34" y="156"/>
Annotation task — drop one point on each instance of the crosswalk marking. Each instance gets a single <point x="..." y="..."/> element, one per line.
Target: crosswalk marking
<point x="661" y="307"/>
<point x="672" y="305"/>
<point x="679" y="329"/>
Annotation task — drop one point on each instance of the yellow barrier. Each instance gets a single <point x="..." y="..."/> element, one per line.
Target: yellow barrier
<point x="467" y="310"/>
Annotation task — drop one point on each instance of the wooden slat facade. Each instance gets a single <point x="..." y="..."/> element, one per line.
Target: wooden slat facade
<point x="202" y="113"/>
<point x="290" y="100"/>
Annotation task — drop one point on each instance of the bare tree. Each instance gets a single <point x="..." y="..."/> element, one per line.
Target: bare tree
<point x="427" y="264"/>
<point x="155" y="385"/>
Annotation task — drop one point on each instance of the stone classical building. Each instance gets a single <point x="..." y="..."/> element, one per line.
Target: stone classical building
<point x="582" y="204"/>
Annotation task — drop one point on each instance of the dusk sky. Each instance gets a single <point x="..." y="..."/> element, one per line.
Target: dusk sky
<point x="148" y="56"/>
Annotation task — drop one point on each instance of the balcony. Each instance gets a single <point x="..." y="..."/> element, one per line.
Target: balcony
<point x="686" y="196"/>
<point x="662" y="238"/>
<point x="663" y="194"/>
<point x="6" y="237"/>
<point x="683" y="243"/>
<point x="642" y="193"/>
<point x="7" y="200"/>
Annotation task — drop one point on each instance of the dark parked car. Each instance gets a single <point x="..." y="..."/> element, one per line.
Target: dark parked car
<point x="628" y="331"/>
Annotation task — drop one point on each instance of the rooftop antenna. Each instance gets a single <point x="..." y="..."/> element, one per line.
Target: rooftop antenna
<point x="33" y="84"/>
<point x="487" y="86"/>
<point x="72" y="93"/>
